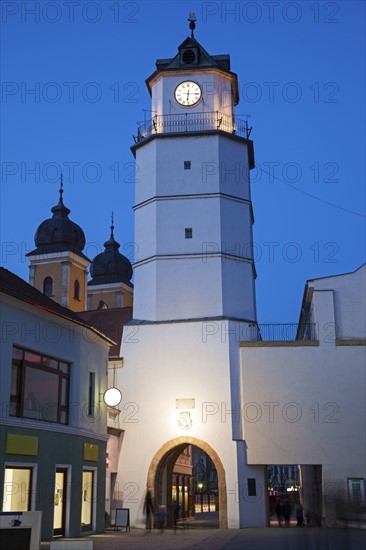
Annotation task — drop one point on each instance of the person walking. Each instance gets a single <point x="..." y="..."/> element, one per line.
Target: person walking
<point x="148" y="510"/>
<point x="287" y="512"/>
<point x="279" y="512"/>
<point x="175" y="508"/>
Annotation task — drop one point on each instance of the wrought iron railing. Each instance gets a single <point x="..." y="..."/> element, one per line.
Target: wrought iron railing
<point x="282" y="331"/>
<point x="192" y="122"/>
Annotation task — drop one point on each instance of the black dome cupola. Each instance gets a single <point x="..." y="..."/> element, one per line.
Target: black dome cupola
<point x="110" y="266"/>
<point x="59" y="233"/>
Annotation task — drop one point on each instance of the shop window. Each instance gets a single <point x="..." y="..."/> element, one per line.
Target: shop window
<point x="39" y="387"/>
<point x="17" y="489"/>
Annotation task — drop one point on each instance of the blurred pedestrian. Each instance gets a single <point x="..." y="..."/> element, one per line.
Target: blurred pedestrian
<point x="175" y="509"/>
<point x="279" y="512"/>
<point x="287" y="512"/>
<point x="148" y="510"/>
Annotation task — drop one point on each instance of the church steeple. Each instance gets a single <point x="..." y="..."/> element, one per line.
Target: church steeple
<point x="111" y="273"/>
<point x="58" y="266"/>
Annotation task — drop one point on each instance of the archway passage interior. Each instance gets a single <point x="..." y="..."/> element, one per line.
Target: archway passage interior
<point x="160" y="474"/>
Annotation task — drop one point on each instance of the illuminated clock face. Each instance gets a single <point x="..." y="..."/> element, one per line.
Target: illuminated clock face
<point x="188" y="93"/>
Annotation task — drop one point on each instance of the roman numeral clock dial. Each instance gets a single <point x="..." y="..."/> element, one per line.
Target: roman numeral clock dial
<point x="188" y="93"/>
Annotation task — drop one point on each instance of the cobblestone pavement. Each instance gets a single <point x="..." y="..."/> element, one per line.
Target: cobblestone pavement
<point x="231" y="539"/>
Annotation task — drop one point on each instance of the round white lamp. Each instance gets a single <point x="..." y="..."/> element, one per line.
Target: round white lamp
<point x="112" y="397"/>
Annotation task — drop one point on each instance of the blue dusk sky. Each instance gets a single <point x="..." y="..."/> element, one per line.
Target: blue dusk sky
<point x="74" y="89"/>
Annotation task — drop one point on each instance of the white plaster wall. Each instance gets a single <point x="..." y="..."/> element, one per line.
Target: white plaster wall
<point x="43" y="332"/>
<point x="194" y="287"/>
<point x="144" y="301"/>
<point x="305" y="405"/>
<point x="220" y="224"/>
<point x="218" y="164"/>
<point x="162" y="363"/>
<point x="349" y="302"/>
<point x="238" y="290"/>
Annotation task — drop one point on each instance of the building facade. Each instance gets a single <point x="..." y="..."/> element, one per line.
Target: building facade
<point x="311" y="410"/>
<point x="53" y="419"/>
<point x="196" y="370"/>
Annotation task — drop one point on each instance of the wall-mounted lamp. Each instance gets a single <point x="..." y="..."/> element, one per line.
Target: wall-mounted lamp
<point x="112" y="397"/>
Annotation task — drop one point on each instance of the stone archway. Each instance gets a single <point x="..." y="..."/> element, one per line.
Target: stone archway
<point x="163" y="462"/>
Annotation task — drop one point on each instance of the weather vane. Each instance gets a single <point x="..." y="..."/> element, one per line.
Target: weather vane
<point x="192" y="22"/>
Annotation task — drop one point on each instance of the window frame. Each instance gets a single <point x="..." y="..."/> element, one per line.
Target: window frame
<point x="31" y="504"/>
<point x="18" y="399"/>
<point x="49" y="279"/>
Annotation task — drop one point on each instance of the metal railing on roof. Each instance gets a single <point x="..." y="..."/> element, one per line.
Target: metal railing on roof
<point x="192" y="122"/>
<point x="282" y="331"/>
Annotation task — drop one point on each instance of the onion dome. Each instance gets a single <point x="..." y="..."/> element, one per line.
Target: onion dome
<point x="111" y="266"/>
<point x="59" y="233"/>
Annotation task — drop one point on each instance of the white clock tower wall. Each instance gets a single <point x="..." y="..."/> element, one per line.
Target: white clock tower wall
<point x="213" y="267"/>
<point x="217" y="93"/>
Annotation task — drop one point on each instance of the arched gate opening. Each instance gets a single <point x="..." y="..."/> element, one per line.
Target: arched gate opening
<point x="161" y="469"/>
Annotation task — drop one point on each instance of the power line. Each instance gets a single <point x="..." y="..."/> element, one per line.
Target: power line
<point x="314" y="196"/>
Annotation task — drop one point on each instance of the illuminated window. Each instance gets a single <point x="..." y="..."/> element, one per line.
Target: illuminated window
<point x="48" y="286"/>
<point x="39" y="387"/>
<point x="87" y="500"/>
<point x="17" y="489"/>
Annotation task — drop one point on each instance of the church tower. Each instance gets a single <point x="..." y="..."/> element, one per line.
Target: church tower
<point x="194" y="291"/>
<point x="111" y="272"/>
<point x="58" y="267"/>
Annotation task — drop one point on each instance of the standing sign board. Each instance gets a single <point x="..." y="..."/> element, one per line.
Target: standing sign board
<point x="122" y="518"/>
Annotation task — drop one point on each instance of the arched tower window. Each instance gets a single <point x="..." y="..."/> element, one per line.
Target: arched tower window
<point x="77" y="290"/>
<point x="48" y="286"/>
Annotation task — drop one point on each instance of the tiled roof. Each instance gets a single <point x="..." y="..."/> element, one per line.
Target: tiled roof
<point x="14" y="286"/>
<point x="110" y="322"/>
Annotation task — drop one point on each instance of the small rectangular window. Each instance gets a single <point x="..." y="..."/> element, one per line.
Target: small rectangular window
<point x="91" y="403"/>
<point x="187" y="165"/>
<point x="252" y="489"/>
<point x="188" y="232"/>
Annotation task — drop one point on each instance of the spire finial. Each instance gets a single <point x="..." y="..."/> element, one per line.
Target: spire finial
<point x="61" y="186"/>
<point x="192" y="22"/>
<point x="112" y="227"/>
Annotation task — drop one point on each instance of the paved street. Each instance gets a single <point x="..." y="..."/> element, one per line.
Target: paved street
<point x="232" y="539"/>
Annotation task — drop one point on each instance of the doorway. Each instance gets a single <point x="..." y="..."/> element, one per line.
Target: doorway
<point x="59" y="506"/>
<point x="87" y="500"/>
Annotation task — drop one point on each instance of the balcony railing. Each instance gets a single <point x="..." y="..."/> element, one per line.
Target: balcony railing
<point x="192" y="122"/>
<point x="282" y="331"/>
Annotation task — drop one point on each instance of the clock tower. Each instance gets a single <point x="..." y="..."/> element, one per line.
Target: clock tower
<point x="193" y="193"/>
<point x="194" y="291"/>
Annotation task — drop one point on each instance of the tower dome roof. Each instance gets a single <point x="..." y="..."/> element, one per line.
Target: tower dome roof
<point x="110" y="266"/>
<point x="59" y="233"/>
